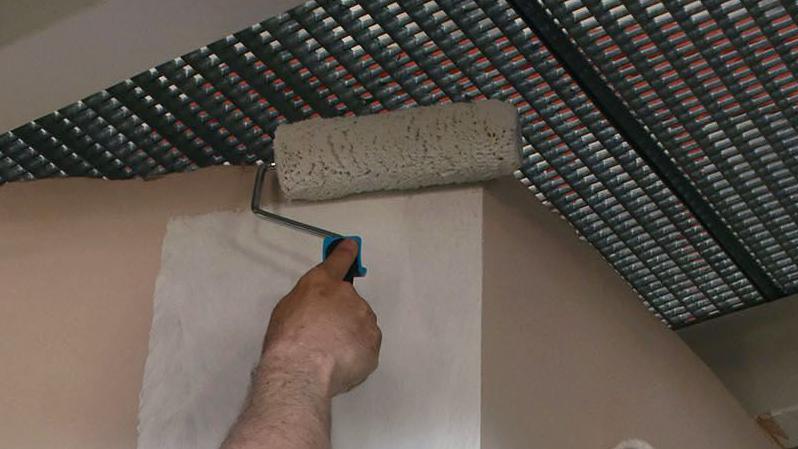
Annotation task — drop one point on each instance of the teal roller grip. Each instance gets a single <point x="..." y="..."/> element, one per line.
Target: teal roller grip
<point x="357" y="270"/>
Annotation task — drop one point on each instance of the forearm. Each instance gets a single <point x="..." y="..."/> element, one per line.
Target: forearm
<point x="322" y="340"/>
<point x="288" y="407"/>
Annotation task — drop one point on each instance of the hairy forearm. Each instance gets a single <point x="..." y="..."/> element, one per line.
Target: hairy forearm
<point x="288" y="407"/>
<point x="322" y="340"/>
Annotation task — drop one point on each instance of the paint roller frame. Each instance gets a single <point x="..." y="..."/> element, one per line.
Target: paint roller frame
<point x="331" y="239"/>
<point x="255" y="206"/>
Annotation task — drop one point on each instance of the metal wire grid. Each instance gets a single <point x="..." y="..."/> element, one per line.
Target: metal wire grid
<point x="714" y="82"/>
<point x="220" y="104"/>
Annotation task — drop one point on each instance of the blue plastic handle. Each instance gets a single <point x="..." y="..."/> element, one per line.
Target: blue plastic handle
<point x="357" y="270"/>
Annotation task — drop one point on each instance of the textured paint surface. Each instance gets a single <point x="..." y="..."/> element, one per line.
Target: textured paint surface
<point x="445" y="144"/>
<point x="222" y="273"/>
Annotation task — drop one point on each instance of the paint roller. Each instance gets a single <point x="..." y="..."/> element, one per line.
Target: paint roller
<point x="323" y="159"/>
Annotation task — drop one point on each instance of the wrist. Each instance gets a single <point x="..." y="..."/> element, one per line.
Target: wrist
<point x="289" y="403"/>
<point x="293" y="365"/>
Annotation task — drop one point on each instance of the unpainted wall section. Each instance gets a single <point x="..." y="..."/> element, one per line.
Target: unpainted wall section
<point x="572" y="359"/>
<point x="754" y="352"/>
<point x="78" y="261"/>
<point x="55" y="53"/>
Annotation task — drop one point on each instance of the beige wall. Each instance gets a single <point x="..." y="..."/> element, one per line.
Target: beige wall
<point x="78" y="260"/>
<point x="55" y="53"/>
<point x="572" y="359"/>
<point x="754" y="352"/>
<point x="21" y="18"/>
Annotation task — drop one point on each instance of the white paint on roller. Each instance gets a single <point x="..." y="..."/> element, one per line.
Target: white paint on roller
<point x="457" y="143"/>
<point x="222" y="273"/>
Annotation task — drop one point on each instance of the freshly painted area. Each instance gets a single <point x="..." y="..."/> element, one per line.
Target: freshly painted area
<point x="222" y="273"/>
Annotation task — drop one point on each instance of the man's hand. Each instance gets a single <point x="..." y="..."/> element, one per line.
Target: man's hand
<point x="322" y="340"/>
<point x="324" y="322"/>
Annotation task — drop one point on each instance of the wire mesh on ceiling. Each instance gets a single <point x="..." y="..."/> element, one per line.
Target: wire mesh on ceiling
<point x="221" y="104"/>
<point x="714" y="81"/>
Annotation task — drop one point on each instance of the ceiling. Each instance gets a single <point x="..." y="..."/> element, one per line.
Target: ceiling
<point x="665" y="132"/>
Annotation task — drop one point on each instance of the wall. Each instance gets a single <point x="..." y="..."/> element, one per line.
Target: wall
<point x="754" y="352"/>
<point x="21" y="18"/>
<point x="78" y="268"/>
<point x="78" y="260"/>
<point x="221" y="275"/>
<point x="572" y="359"/>
<point x="55" y="54"/>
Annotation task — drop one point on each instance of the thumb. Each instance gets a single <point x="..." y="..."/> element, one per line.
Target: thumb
<point x="342" y="257"/>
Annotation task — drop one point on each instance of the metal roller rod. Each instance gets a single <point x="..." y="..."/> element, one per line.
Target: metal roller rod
<point x="279" y="219"/>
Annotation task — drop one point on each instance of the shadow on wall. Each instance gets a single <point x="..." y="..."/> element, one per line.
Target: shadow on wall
<point x="19" y="18"/>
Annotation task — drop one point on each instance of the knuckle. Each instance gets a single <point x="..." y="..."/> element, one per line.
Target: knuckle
<point x="375" y="362"/>
<point x="369" y="313"/>
<point x="363" y="310"/>
<point x="372" y="337"/>
<point x="362" y="304"/>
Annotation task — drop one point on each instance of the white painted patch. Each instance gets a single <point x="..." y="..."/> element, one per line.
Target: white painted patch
<point x="222" y="273"/>
<point x="634" y="444"/>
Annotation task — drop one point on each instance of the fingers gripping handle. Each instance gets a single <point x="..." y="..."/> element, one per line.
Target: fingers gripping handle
<point x="357" y="270"/>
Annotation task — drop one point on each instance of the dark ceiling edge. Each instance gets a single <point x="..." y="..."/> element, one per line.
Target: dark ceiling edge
<point x="583" y="73"/>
